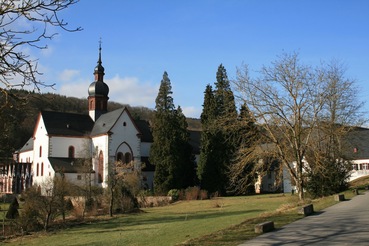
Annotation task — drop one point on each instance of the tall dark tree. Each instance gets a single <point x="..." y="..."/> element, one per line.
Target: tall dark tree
<point x="242" y="179"/>
<point x="170" y="151"/>
<point x="219" y="138"/>
<point x="209" y="169"/>
<point x="223" y="95"/>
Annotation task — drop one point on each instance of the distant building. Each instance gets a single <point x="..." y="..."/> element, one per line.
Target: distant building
<point x="14" y="177"/>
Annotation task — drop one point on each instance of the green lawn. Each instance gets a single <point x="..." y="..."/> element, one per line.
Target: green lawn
<point x="221" y="221"/>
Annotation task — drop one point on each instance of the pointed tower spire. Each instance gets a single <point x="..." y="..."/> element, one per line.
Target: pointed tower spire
<point x="99" y="69"/>
<point x="98" y="91"/>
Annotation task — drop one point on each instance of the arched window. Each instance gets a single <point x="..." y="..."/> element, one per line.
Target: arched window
<point x="37" y="167"/>
<point x="100" y="168"/>
<point x="42" y="169"/>
<point x="40" y="151"/>
<point x="127" y="157"/>
<point x="120" y="156"/>
<point x="71" y="152"/>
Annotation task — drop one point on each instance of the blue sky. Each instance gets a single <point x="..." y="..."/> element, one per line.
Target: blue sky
<point x="190" y="38"/>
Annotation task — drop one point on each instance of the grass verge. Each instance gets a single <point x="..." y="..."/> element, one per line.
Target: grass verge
<point x="221" y="221"/>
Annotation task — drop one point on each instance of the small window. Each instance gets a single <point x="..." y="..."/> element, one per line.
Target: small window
<point x="79" y="177"/>
<point x="71" y="152"/>
<point x="127" y="158"/>
<point x="40" y="151"/>
<point x="124" y="123"/>
<point x="37" y="167"/>
<point x="120" y="156"/>
<point x="42" y="169"/>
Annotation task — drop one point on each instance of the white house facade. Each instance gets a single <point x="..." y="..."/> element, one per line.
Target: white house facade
<point x="62" y="143"/>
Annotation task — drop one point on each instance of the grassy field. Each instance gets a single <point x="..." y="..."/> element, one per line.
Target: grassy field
<point x="220" y="221"/>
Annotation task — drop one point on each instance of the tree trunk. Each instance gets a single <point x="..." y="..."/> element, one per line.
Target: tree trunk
<point x="111" y="202"/>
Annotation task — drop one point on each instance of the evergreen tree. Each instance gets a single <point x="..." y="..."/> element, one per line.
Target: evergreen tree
<point x="218" y="139"/>
<point x="223" y="95"/>
<point x="208" y="169"/>
<point x="170" y="151"/>
<point x="243" y="180"/>
<point x="185" y="175"/>
<point x="13" y="209"/>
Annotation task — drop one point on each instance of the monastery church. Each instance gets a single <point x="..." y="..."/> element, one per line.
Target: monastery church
<point x="63" y="142"/>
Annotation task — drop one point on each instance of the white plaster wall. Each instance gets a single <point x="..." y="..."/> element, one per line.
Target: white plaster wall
<point x="355" y="174"/>
<point x="287" y="187"/>
<point x="145" y="149"/>
<point x="59" y="146"/>
<point x="26" y="156"/>
<point x="101" y="143"/>
<point x="40" y="139"/>
<point x="80" y="181"/>
<point x="124" y="136"/>
<point x="48" y="173"/>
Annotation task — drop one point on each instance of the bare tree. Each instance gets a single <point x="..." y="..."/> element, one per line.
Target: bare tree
<point x="285" y="101"/>
<point x="303" y="114"/>
<point x="27" y="24"/>
<point x="124" y="185"/>
<point x="330" y="160"/>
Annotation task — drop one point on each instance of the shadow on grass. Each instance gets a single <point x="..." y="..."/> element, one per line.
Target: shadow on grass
<point x="123" y="222"/>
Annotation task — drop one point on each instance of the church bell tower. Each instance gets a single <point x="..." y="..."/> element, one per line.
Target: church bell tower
<point x="98" y="92"/>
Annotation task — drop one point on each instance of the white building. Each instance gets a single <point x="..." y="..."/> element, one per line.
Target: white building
<point x="69" y="144"/>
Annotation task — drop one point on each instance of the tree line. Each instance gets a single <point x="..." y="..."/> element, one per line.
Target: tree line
<point x="291" y="116"/>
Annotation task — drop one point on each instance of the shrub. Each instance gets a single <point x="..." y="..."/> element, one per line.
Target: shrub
<point x="192" y="193"/>
<point x="174" y="194"/>
<point x="13" y="209"/>
<point x="203" y="195"/>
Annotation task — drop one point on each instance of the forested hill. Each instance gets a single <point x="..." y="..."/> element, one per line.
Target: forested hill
<point x="18" y="120"/>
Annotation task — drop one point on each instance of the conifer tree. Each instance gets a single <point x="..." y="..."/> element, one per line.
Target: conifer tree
<point x="242" y="180"/>
<point x="170" y="151"/>
<point x="218" y="139"/>
<point x="223" y="95"/>
<point x="207" y="169"/>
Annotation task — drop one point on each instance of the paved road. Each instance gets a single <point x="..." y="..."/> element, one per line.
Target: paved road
<point x="346" y="223"/>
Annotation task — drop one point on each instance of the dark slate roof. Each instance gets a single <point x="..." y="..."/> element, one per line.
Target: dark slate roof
<point x="356" y="144"/>
<point x="195" y="138"/>
<point x="27" y="146"/>
<point x="69" y="165"/>
<point x="106" y="121"/>
<point x="144" y="128"/>
<point x="67" y="124"/>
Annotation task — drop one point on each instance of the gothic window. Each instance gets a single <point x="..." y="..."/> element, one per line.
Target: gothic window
<point x="71" y="152"/>
<point x="40" y="151"/>
<point x="120" y="156"/>
<point x="127" y="158"/>
<point x="100" y="168"/>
